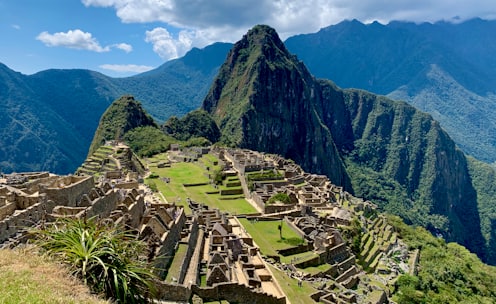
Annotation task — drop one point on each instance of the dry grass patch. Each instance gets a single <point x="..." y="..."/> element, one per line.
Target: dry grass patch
<point x="28" y="278"/>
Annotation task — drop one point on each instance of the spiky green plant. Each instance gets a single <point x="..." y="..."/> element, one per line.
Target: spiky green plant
<point x="108" y="259"/>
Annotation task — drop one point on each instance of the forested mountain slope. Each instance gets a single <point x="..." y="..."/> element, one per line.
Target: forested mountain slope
<point x="48" y="119"/>
<point x="265" y="99"/>
<point x="445" y="69"/>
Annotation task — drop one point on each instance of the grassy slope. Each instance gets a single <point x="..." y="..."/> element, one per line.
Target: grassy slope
<point x="28" y="278"/>
<point x="447" y="272"/>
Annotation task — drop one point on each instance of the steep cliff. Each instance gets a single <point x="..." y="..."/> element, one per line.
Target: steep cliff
<point x="265" y="99"/>
<point x="407" y="147"/>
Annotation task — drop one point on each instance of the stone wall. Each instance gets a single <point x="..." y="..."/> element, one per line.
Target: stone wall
<point x="194" y="264"/>
<point x="136" y="211"/>
<point x="70" y="194"/>
<point x="276" y="208"/>
<point x="167" y="250"/>
<point x="11" y="225"/>
<point x="102" y="206"/>
<point x="192" y="243"/>
<point x="231" y="191"/>
<point x="127" y="185"/>
<point x="297" y="249"/>
<point x="236" y="293"/>
<point x="7" y="210"/>
<point x="173" y="292"/>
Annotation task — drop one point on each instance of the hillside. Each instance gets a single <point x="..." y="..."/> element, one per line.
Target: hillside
<point x="123" y="115"/>
<point x="49" y="118"/>
<point x="265" y="99"/>
<point x="444" y="69"/>
<point x="26" y="277"/>
<point x="178" y="86"/>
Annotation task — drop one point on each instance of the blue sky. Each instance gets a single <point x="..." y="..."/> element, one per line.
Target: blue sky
<point x="124" y="37"/>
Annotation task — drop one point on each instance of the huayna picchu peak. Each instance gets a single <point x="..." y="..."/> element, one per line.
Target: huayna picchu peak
<point x="265" y="99"/>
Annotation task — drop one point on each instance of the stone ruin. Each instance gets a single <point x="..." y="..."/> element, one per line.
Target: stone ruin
<point x="317" y="212"/>
<point x="213" y="247"/>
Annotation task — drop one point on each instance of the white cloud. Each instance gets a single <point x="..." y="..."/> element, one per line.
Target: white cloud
<point x="16" y="26"/>
<point x="77" y="39"/>
<point x="227" y="20"/>
<point x="74" y="39"/>
<point x="126" y="68"/>
<point x="168" y="47"/>
<point x="124" y="46"/>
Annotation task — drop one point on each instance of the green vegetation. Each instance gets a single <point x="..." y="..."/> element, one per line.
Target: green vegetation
<point x="447" y="273"/>
<point x="175" y="266"/>
<point x="279" y="197"/>
<point x="148" y="140"/>
<point x="197" y="123"/>
<point x="195" y="173"/>
<point x="295" y="293"/>
<point x="28" y="278"/>
<point x="123" y="115"/>
<point x="265" y="175"/>
<point x="484" y="179"/>
<point x="106" y="258"/>
<point x="266" y="235"/>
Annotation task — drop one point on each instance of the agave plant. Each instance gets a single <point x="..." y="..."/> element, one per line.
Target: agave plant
<point x="108" y="259"/>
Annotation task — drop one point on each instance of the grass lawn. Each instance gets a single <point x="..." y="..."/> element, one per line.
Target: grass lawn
<point x="266" y="235"/>
<point x="300" y="257"/>
<point x="295" y="294"/>
<point x="193" y="173"/>
<point x="28" y="278"/>
<point x="317" y="269"/>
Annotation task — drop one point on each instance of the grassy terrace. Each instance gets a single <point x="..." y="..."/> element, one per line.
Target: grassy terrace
<point x="295" y="294"/>
<point x="177" y="261"/>
<point x="266" y="235"/>
<point x="196" y="173"/>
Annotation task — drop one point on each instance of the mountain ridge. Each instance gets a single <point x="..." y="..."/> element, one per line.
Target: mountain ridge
<point x="264" y="99"/>
<point x="55" y="134"/>
<point x="399" y="58"/>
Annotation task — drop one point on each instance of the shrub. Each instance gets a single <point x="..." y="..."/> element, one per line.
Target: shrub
<point x="106" y="258"/>
<point x="279" y="197"/>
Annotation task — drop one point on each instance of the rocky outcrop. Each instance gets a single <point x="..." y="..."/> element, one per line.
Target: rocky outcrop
<point x="411" y="148"/>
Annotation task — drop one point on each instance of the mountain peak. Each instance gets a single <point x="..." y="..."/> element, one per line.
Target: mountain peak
<point x="265" y="99"/>
<point x="260" y="41"/>
<point x="122" y="115"/>
<point x="261" y="34"/>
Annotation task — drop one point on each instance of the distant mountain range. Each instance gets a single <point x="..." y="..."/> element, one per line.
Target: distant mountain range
<point x="445" y="69"/>
<point x="48" y="119"/>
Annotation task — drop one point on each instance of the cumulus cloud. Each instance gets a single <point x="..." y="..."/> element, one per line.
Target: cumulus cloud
<point x="227" y="20"/>
<point x="74" y="39"/>
<point x="126" y="68"/>
<point x="168" y="47"/>
<point x="124" y="46"/>
<point x="77" y="39"/>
